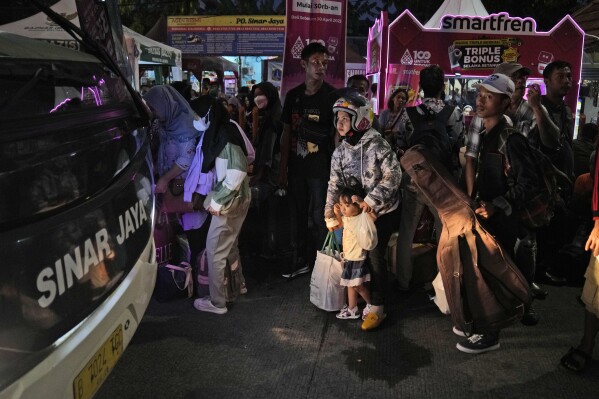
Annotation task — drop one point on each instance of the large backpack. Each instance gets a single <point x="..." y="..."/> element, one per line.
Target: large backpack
<point x="539" y="208"/>
<point x="430" y="130"/>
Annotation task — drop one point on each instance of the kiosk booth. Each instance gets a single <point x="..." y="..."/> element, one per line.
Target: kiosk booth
<point x="468" y="48"/>
<point x="163" y="60"/>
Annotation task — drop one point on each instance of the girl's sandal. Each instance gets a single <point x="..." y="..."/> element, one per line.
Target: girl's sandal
<point x="572" y="362"/>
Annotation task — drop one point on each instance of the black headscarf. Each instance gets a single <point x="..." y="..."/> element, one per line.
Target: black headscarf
<point x="220" y="132"/>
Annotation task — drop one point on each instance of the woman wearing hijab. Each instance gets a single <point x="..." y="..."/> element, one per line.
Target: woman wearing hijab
<point x="176" y="133"/>
<point x="176" y="149"/>
<point x="266" y="166"/>
<point x="224" y="153"/>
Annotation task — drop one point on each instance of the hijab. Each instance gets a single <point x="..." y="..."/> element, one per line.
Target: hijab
<point x="172" y="111"/>
<point x="220" y="132"/>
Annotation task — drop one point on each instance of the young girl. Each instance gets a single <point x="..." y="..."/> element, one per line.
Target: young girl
<point x="357" y="240"/>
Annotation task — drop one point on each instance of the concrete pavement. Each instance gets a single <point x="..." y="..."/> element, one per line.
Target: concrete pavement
<point x="273" y="343"/>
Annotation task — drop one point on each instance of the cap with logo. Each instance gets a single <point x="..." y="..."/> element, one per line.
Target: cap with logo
<point x="497" y="83"/>
<point x="510" y="68"/>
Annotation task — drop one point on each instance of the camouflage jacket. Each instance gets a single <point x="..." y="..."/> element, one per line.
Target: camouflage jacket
<point x="371" y="164"/>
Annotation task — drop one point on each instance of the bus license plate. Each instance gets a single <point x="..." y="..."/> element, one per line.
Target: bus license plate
<point x="97" y="369"/>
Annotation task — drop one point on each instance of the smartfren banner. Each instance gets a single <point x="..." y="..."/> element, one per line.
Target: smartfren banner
<point x="471" y="46"/>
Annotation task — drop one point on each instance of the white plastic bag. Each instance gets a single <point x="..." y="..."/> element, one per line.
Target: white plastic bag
<point x="440" y="297"/>
<point x="326" y="291"/>
<point x="366" y="235"/>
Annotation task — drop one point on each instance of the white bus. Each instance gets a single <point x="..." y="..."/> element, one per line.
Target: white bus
<point x="77" y="256"/>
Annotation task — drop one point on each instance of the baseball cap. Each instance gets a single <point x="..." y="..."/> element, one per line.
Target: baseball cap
<point x="509" y="68"/>
<point x="497" y="83"/>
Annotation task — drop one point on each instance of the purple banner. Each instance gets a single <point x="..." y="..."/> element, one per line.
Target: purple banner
<point x="323" y="21"/>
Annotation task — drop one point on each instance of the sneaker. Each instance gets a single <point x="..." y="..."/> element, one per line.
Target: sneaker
<point x="243" y="289"/>
<point x="530" y="318"/>
<point x="303" y="270"/>
<point x="366" y="311"/>
<point x="372" y="321"/>
<point x="478" y="343"/>
<point x="347" y="313"/>
<point x="205" y="305"/>
<point x="458" y="332"/>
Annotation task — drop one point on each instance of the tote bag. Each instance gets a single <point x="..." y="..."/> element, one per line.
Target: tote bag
<point x="326" y="292"/>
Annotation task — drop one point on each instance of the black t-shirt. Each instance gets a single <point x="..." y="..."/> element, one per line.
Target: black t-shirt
<point x="313" y="160"/>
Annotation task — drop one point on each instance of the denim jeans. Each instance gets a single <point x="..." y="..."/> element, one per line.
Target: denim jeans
<point x="309" y="196"/>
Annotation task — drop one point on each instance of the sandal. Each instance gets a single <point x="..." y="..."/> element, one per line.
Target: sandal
<point x="572" y="363"/>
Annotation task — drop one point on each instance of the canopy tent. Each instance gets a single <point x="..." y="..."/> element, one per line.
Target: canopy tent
<point x="457" y="7"/>
<point x="152" y="52"/>
<point x="588" y="19"/>
<point x="145" y="51"/>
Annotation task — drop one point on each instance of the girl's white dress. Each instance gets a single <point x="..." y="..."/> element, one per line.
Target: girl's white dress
<point x="355" y="261"/>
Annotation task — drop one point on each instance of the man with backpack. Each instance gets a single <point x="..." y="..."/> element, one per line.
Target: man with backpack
<point x="552" y="134"/>
<point x="521" y="115"/>
<point x="507" y="178"/>
<point x="440" y="129"/>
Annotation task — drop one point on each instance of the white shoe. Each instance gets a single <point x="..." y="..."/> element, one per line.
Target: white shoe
<point x="205" y="305"/>
<point x="458" y="332"/>
<point x="298" y="272"/>
<point x="347" y="313"/>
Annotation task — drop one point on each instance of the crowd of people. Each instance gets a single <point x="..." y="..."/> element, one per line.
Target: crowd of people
<point x="335" y="160"/>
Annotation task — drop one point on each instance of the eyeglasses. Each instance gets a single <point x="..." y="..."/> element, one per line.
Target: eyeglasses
<point x="318" y="63"/>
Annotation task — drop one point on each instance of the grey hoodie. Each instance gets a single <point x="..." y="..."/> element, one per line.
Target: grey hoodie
<point x="370" y="164"/>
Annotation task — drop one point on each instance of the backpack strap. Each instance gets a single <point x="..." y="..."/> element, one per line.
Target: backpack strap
<point x="445" y="113"/>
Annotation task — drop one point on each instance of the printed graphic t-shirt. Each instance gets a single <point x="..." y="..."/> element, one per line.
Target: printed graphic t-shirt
<point x="312" y="159"/>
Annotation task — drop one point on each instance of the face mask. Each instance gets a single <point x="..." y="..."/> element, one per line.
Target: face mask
<point x="261" y="101"/>
<point x="202" y="124"/>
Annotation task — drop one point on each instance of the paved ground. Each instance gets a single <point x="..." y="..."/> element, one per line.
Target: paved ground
<point x="274" y="344"/>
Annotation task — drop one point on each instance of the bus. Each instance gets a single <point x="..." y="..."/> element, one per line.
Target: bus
<point x="78" y="263"/>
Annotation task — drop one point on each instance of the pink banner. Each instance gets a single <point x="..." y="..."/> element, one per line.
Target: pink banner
<point x="323" y="21"/>
<point x="466" y="46"/>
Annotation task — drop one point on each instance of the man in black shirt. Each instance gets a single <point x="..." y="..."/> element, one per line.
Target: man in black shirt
<point x="307" y="143"/>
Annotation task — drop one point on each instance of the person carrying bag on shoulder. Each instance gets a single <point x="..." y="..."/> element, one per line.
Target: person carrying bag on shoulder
<point x="225" y="152"/>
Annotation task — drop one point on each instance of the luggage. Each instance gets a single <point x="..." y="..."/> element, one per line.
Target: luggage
<point x="423" y="260"/>
<point x="173" y="282"/>
<point x="485" y="290"/>
<point x="232" y="281"/>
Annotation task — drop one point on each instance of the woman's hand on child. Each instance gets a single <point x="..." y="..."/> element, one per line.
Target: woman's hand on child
<point x="337" y="209"/>
<point x="360" y="201"/>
